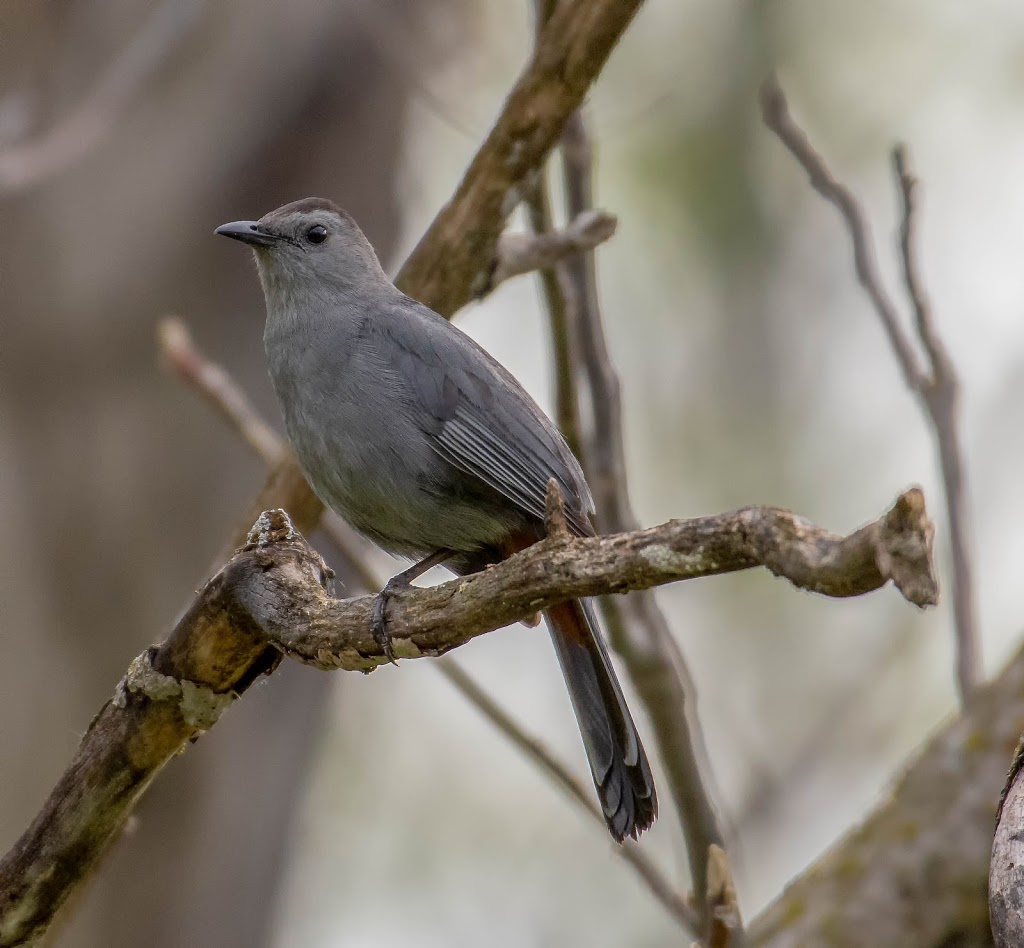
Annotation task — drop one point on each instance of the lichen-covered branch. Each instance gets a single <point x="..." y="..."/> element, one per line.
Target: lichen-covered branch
<point x="169" y="696"/>
<point x="272" y="598"/>
<point x="337" y="634"/>
<point x="913" y="874"/>
<point x="1006" y="867"/>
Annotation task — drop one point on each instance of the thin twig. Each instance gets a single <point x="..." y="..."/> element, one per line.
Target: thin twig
<point x="537" y="202"/>
<point x="219" y="390"/>
<point x="76" y="134"/>
<point x="567" y="412"/>
<point x="935" y="384"/>
<point x="179" y="352"/>
<point x="778" y="118"/>
<point x="941" y="399"/>
<point x="541" y="250"/>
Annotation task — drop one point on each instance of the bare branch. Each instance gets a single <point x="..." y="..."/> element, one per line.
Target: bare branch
<point x="637" y="627"/>
<point x="216" y="386"/>
<point x="451" y="263"/>
<point x="777" y="117"/>
<point x="523" y="253"/>
<point x="936" y="385"/>
<point x="74" y="136"/>
<point x="272" y="598"/>
<point x="567" y="408"/>
<point x="941" y="399"/>
<point x="926" y="331"/>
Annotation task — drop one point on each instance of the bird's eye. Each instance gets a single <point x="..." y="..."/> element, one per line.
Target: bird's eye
<point x="316" y="234"/>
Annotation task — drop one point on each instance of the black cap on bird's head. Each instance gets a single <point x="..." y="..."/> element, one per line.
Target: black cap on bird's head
<point x="312" y="237"/>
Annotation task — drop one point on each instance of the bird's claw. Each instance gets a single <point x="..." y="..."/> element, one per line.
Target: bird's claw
<point x="379" y="623"/>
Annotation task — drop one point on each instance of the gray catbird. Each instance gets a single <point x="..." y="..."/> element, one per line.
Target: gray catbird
<point x="424" y="443"/>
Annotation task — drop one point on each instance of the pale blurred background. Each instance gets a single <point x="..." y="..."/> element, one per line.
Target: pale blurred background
<point x="349" y="811"/>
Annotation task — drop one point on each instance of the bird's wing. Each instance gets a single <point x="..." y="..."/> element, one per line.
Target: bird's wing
<point x="481" y="420"/>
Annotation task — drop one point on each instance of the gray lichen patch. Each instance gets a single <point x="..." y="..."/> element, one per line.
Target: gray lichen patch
<point x="201" y="707"/>
<point x="142" y="678"/>
<point x="406" y="648"/>
<point x="666" y="560"/>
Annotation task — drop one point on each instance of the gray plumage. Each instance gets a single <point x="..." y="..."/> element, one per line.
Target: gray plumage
<point x="422" y="441"/>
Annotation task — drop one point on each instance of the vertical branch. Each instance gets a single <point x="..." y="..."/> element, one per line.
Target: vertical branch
<point x="539" y="218"/>
<point x="935" y="383"/>
<point x="567" y="412"/>
<point x="636" y="626"/>
<point x="941" y="397"/>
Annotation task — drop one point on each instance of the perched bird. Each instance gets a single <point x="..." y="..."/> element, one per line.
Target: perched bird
<point x="428" y="446"/>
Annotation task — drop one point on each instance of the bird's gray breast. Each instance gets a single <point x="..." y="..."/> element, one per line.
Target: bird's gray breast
<point x="351" y="415"/>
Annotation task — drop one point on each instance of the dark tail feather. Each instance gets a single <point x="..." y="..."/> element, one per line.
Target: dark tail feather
<point x="617" y="759"/>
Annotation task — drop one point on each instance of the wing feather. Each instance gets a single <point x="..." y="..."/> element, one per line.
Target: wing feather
<point x="479" y="419"/>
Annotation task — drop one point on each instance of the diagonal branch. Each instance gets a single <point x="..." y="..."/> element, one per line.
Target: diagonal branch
<point x="935" y="384"/>
<point x="451" y="263"/>
<point x="272" y="598"/>
<point x="26" y="164"/>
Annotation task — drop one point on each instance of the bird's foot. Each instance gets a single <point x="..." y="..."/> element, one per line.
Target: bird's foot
<point x="378" y="617"/>
<point x="398" y="583"/>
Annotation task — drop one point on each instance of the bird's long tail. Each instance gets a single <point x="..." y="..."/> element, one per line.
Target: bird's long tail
<point x="617" y="759"/>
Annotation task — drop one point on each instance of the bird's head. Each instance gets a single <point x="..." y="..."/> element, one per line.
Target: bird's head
<point x="310" y="244"/>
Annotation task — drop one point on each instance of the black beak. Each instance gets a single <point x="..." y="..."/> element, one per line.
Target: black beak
<point x="248" y="232"/>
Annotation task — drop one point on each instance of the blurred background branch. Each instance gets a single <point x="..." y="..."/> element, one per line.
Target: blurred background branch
<point x="936" y="384"/>
<point x="123" y="82"/>
<point x="869" y="887"/>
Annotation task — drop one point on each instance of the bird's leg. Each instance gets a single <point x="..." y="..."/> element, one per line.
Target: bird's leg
<point x="397" y="583"/>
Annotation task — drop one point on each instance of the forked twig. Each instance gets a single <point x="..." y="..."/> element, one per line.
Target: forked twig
<point x="935" y="383"/>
